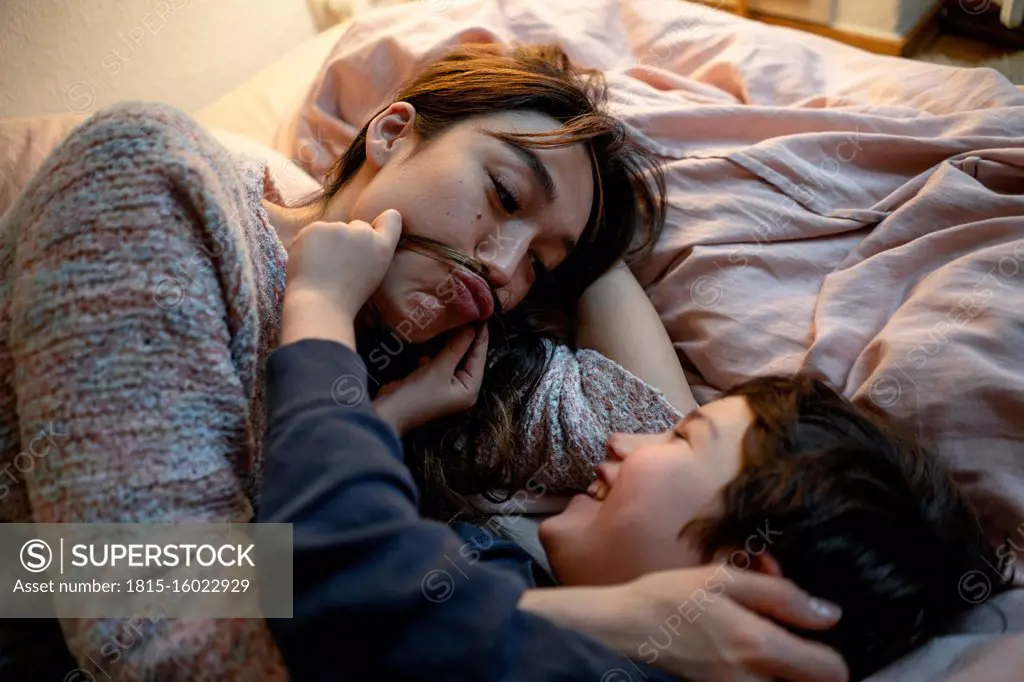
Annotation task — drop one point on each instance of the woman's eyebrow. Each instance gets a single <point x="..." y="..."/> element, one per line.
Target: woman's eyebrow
<point x="697" y="414"/>
<point x="537" y="167"/>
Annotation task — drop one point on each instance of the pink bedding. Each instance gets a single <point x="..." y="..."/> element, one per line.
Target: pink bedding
<point x="830" y="210"/>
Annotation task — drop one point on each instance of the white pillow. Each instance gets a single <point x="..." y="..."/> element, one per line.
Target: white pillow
<point x="293" y="182"/>
<point x="25" y="144"/>
<point x="263" y="102"/>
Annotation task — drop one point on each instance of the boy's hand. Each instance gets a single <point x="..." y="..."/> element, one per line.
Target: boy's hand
<point x="333" y="268"/>
<point x="344" y="262"/>
<point x="441" y="386"/>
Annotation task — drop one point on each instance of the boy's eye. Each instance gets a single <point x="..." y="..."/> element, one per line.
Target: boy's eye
<point x="509" y="201"/>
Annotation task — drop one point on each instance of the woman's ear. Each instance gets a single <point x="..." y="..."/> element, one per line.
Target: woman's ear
<point x="762" y="562"/>
<point x="390" y="131"/>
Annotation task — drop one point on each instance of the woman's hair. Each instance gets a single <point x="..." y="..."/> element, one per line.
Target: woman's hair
<point x="855" y="512"/>
<point x="625" y="219"/>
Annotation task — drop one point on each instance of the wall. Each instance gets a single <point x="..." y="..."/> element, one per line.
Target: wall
<point x="79" y="55"/>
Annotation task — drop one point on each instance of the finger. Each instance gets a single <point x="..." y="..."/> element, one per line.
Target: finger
<point x="389" y="226"/>
<point x="447" y="361"/>
<point x="779" y="599"/>
<point x="786" y="657"/>
<point x="471" y="376"/>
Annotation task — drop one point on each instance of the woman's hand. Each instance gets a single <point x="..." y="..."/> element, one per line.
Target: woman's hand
<point x="333" y="268"/>
<point x="702" y="624"/>
<point x="441" y="386"/>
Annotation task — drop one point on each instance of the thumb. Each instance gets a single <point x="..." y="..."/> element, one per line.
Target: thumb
<point x="389" y="226"/>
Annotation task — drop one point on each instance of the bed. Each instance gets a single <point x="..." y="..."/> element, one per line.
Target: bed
<point x="830" y="210"/>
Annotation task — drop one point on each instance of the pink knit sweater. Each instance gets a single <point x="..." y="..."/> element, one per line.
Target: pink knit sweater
<point x="140" y="294"/>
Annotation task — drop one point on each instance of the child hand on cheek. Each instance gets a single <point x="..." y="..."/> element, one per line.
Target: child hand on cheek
<point x="333" y="269"/>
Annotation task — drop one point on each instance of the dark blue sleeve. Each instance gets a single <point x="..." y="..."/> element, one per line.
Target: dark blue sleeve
<point x="380" y="593"/>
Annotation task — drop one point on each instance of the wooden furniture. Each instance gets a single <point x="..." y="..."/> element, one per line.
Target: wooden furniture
<point x="925" y="29"/>
<point x="985" y="22"/>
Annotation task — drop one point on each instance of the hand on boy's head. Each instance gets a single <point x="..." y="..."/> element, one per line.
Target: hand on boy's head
<point x="730" y="625"/>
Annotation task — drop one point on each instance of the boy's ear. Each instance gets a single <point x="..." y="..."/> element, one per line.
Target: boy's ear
<point x="766" y="563"/>
<point x="745" y="561"/>
<point x="389" y="131"/>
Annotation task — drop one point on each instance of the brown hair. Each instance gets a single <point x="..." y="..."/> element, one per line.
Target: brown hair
<point x="855" y="511"/>
<point x="625" y="219"/>
<point x="627" y="213"/>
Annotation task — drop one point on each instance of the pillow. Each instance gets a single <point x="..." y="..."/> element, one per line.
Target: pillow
<point x="259" y="105"/>
<point x="292" y="182"/>
<point x="26" y="143"/>
<point x="29" y="140"/>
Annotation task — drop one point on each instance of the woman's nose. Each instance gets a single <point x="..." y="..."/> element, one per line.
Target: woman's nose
<point x="504" y="250"/>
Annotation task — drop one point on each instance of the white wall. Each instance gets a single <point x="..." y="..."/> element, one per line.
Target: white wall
<point x="79" y="55"/>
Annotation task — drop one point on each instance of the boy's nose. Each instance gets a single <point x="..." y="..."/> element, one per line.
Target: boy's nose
<point x="621" y="445"/>
<point x="608" y="472"/>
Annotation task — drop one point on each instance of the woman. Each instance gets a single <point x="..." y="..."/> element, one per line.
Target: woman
<point x="142" y="274"/>
<point x="542" y="192"/>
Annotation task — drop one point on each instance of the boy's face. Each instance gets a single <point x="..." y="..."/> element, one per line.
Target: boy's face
<point x="650" y="487"/>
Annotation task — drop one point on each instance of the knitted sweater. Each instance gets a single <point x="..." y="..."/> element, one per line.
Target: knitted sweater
<point x="141" y="286"/>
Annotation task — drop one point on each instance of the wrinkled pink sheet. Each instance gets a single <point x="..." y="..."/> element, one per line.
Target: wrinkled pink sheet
<point x="830" y="210"/>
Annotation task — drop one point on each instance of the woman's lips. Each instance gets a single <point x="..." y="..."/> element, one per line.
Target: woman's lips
<point x="472" y="296"/>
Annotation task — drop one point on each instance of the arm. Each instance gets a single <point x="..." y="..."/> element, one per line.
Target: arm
<point x="616" y="319"/>
<point x="583" y="397"/>
<point x="142" y="398"/>
<point x="381" y="593"/>
<point x="720" y="622"/>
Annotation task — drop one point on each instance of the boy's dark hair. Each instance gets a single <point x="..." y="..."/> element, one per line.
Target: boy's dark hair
<point x="857" y="514"/>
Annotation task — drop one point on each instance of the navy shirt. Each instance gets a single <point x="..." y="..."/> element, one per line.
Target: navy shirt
<point x="380" y="592"/>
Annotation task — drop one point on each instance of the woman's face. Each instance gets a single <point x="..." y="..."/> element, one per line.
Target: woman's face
<point x="649" y="488"/>
<point x="517" y="210"/>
